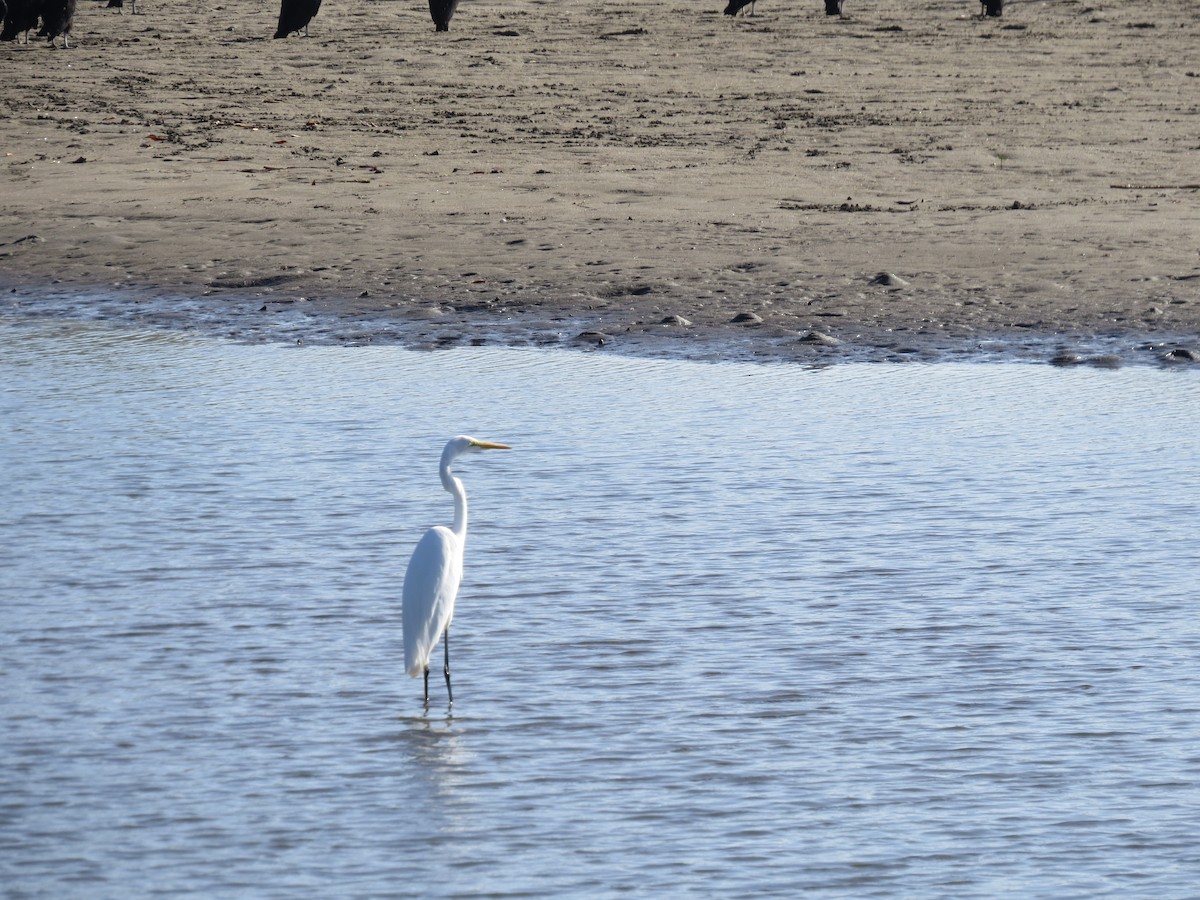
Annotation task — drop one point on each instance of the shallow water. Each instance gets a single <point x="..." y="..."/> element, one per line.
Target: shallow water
<point x="726" y="629"/>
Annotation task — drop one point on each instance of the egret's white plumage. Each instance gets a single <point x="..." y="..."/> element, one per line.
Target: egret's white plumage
<point x="435" y="572"/>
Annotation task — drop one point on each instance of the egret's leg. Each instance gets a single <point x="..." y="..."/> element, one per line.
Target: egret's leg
<point x="427" y="685"/>
<point x="446" y="639"/>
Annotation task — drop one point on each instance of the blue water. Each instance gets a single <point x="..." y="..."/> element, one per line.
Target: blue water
<point x="742" y="630"/>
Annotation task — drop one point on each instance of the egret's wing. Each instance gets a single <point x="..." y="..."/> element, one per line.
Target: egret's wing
<point x="430" y="586"/>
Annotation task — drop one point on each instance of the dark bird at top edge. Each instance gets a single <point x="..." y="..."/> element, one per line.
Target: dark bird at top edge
<point x="120" y="4"/>
<point x="21" y="18"/>
<point x="294" y="15"/>
<point x="833" y="7"/>
<point x="736" y="6"/>
<point x="441" y="11"/>
<point x="57" y="17"/>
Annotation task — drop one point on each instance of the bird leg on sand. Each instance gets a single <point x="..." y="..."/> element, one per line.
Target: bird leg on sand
<point x="427" y="685"/>
<point x="446" y="668"/>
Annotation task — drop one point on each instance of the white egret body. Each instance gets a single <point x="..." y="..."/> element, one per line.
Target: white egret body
<point x="435" y="572"/>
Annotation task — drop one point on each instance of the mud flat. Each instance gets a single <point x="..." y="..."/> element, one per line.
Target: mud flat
<point x="910" y="181"/>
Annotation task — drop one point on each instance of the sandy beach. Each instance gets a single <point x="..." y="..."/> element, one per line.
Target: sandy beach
<point x="629" y="174"/>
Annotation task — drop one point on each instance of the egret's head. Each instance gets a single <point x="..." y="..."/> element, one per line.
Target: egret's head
<point x="476" y="444"/>
<point x="467" y="444"/>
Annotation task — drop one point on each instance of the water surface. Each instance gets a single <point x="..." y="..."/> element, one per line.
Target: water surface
<point x="726" y="629"/>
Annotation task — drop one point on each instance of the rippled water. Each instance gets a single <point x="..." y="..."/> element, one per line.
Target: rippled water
<point x="726" y="629"/>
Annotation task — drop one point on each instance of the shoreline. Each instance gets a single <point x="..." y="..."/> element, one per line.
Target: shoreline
<point x="551" y="171"/>
<point x="266" y="317"/>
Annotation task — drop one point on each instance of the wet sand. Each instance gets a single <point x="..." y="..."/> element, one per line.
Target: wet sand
<point x="628" y="174"/>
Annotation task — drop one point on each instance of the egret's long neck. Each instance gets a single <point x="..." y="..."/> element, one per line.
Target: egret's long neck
<point x="456" y="489"/>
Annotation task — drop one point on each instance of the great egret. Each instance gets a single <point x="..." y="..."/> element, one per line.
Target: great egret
<point x="435" y="570"/>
